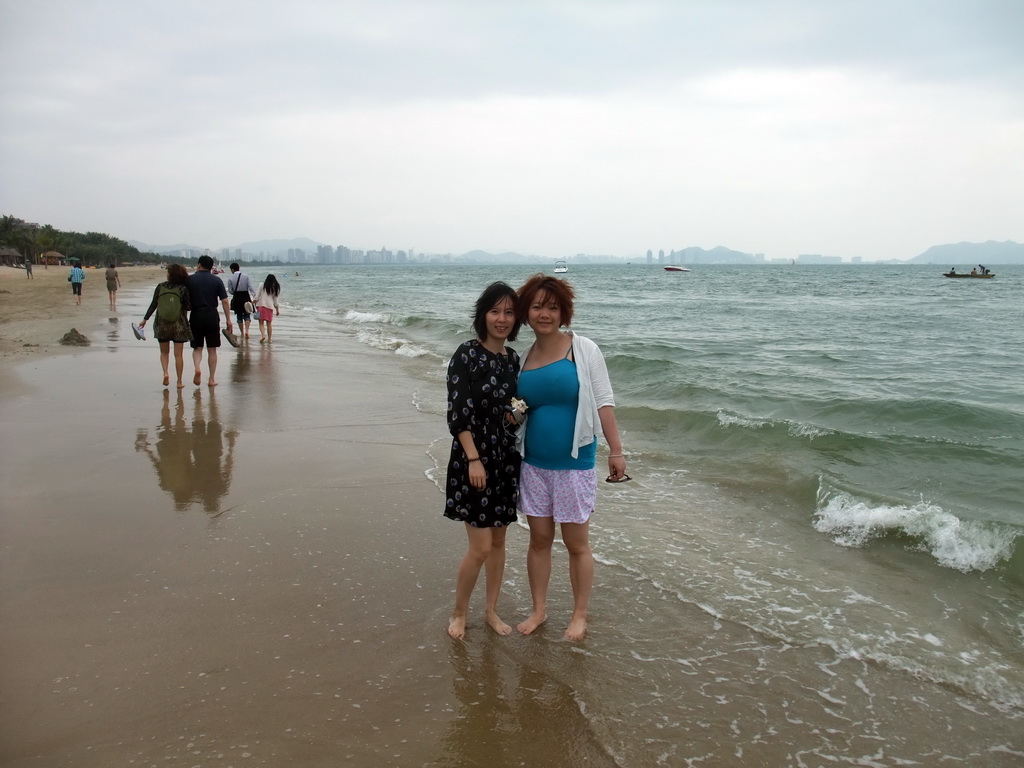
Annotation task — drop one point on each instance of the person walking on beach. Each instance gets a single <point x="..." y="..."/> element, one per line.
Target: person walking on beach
<point x="28" y="268"/>
<point x="483" y="467"/>
<point x="240" y="288"/>
<point x="205" y="291"/>
<point x="77" y="277"/>
<point x="171" y="302"/>
<point x="113" y="283"/>
<point x="267" y="306"/>
<point x="564" y="381"/>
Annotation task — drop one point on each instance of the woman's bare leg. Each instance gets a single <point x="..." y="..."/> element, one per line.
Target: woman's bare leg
<point x="179" y="361"/>
<point x="479" y="550"/>
<point x="538" y="568"/>
<point x="495" y="569"/>
<point x="165" y="358"/>
<point x="581" y="575"/>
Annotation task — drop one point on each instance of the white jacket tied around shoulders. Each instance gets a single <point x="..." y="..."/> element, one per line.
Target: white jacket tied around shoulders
<point x="595" y="393"/>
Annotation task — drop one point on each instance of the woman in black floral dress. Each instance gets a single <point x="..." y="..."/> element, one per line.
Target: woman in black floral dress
<point x="483" y="470"/>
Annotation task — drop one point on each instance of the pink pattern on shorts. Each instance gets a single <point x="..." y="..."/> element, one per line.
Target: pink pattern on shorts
<point x="567" y="495"/>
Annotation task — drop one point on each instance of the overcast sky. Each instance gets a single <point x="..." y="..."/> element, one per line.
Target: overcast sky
<point x="840" y="127"/>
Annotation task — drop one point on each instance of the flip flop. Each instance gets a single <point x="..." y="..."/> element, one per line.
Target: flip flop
<point x="231" y="337"/>
<point x="140" y="333"/>
<point x="249" y="308"/>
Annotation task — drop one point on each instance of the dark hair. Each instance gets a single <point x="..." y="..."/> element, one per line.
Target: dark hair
<point x="234" y="266"/>
<point x="546" y="287"/>
<point x="111" y="265"/>
<point x="492" y="294"/>
<point x="271" y="286"/>
<point x="177" y="274"/>
<point x="206" y="262"/>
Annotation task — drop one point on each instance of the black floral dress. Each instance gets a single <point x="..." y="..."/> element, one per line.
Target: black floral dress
<point x="481" y="385"/>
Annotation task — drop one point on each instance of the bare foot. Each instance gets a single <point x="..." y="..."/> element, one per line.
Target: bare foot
<point x="530" y="625"/>
<point x="180" y="385"/>
<point x="197" y="378"/>
<point x="457" y="627"/>
<point x="212" y="383"/>
<point x="167" y="379"/>
<point x="576" y="630"/>
<point x="499" y="626"/>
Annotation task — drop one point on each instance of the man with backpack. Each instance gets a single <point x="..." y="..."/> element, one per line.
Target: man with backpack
<point x="240" y="288"/>
<point x="205" y="290"/>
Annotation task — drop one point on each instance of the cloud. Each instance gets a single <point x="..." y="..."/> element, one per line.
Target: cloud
<point x="785" y="126"/>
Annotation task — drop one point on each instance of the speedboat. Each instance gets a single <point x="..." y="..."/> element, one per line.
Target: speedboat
<point x="676" y="268"/>
<point x="561" y="266"/>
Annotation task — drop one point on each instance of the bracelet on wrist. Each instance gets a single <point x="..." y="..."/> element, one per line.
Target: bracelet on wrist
<point x="616" y="455"/>
<point x="472" y="460"/>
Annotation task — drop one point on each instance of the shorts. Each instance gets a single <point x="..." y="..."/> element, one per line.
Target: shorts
<point x="76" y="289"/>
<point x="567" y="495"/>
<point x="242" y="317"/>
<point x="266" y="314"/>
<point x="205" y="325"/>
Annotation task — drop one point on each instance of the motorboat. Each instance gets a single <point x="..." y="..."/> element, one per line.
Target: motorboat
<point x="561" y="266"/>
<point x="676" y="268"/>
<point x="978" y="275"/>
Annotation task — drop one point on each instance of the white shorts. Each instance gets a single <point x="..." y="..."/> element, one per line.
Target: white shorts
<point x="567" y="495"/>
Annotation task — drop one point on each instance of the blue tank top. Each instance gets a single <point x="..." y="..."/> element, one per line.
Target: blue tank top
<point x="553" y="393"/>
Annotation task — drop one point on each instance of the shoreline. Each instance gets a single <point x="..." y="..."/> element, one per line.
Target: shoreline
<point x="36" y="313"/>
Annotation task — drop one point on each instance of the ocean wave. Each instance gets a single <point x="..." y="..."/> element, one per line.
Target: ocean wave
<point x="367" y="317"/>
<point x="402" y="347"/>
<point x="966" y="545"/>
<point x="793" y="428"/>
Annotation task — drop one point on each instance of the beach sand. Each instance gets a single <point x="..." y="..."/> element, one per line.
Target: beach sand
<point x="252" y="574"/>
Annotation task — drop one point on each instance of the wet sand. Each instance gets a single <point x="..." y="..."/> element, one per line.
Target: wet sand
<point x="253" y="574"/>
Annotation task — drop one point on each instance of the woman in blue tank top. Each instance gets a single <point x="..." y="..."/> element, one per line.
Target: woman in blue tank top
<point x="565" y="384"/>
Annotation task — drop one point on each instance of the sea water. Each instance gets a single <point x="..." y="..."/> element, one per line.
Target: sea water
<point x="820" y="555"/>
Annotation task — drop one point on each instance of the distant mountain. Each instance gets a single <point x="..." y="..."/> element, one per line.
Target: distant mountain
<point x="955" y="254"/>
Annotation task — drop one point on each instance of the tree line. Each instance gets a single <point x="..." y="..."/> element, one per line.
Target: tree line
<point x="92" y="248"/>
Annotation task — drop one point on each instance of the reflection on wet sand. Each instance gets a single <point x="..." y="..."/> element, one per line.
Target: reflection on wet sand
<point x="193" y="462"/>
<point x="514" y="714"/>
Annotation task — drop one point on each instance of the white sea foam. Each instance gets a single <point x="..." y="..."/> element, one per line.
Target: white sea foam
<point x="954" y="543"/>
<point x="366" y="317"/>
<point x="747" y="422"/>
<point x="795" y="429"/>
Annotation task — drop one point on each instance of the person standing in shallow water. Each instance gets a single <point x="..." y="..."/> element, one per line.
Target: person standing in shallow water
<point x="240" y="288"/>
<point x="206" y="290"/>
<point x="113" y="283"/>
<point x="565" y="384"/>
<point x="483" y="467"/>
<point x="268" y="304"/>
<point x="169" y="332"/>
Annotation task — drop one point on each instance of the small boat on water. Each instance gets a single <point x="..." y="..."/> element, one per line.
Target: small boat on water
<point x="977" y="275"/>
<point x="676" y="268"/>
<point x="561" y="266"/>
